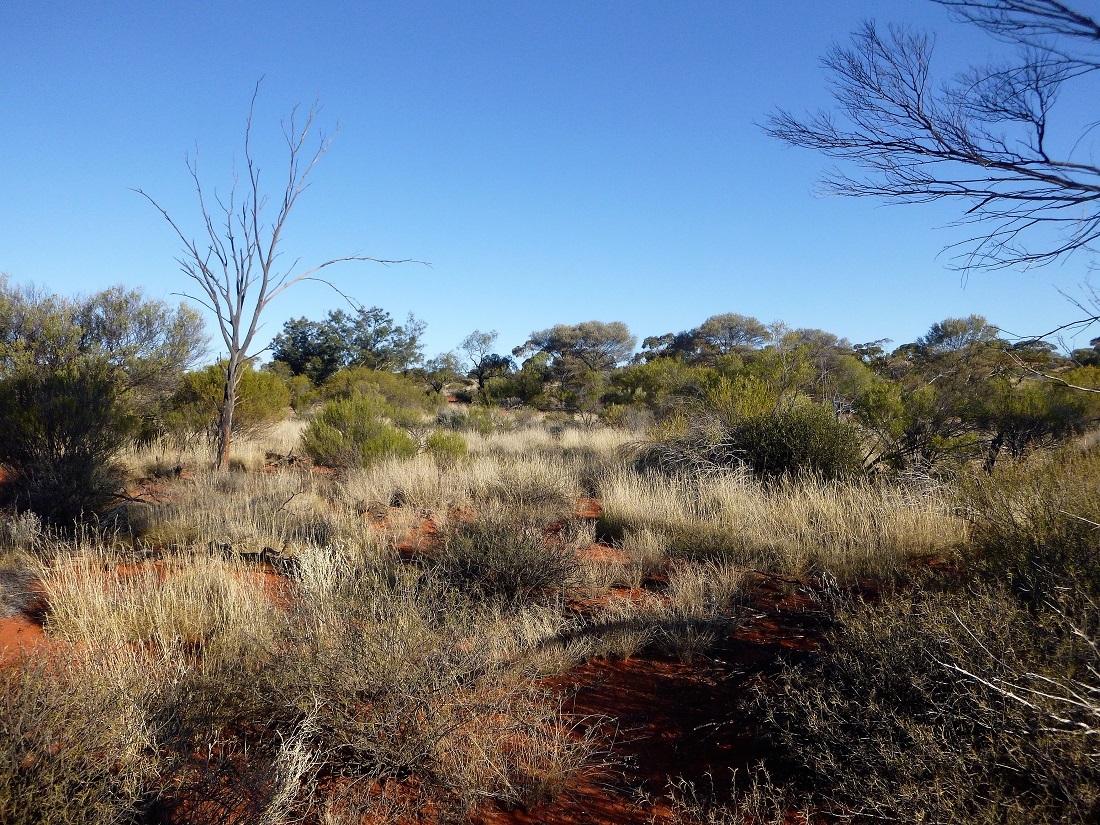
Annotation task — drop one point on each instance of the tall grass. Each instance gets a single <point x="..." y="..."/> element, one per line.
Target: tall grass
<point x="793" y="526"/>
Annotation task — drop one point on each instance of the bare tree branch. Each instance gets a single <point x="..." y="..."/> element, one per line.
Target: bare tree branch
<point x="236" y="265"/>
<point x="982" y="139"/>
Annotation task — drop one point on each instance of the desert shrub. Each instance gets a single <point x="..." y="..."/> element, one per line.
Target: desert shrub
<point x="388" y="676"/>
<point x="941" y="707"/>
<point x="783" y="439"/>
<point x="1034" y="523"/>
<point x="263" y="400"/>
<point x="62" y="432"/>
<point x="398" y="391"/>
<point x="447" y="447"/>
<point x="473" y="419"/>
<point x="76" y="745"/>
<point x="355" y="433"/>
<point x="502" y="560"/>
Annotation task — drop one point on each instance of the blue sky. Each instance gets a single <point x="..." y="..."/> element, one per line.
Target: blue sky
<point x="555" y="161"/>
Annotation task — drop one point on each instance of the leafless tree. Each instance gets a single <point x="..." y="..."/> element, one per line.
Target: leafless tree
<point x="982" y="138"/>
<point x="236" y="261"/>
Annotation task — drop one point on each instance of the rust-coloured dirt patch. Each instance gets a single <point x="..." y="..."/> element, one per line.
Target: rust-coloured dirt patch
<point x="588" y="508"/>
<point x="602" y="554"/>
<point x="668" y="719"/>
<point x="422" y="538"/>
<point x="20" y="636"/>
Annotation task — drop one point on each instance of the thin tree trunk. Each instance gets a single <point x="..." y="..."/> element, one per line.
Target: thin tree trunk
<point x="225" y="422"/>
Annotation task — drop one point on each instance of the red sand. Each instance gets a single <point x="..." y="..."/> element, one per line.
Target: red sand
<point x="20" y="636"/>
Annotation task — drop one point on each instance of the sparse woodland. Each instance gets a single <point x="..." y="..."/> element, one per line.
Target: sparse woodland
<point x="740" y="573"/>
<point x="844" y="582"/>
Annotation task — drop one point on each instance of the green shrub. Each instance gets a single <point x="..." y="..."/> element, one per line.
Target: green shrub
<point x="447" y="447"/>
<point x="1035" y="523"/>
<point x="399" y="392"/>
<point x="62" y="431"/>
<point x="263" y="400"/>
<point x="785" y="439"/>
<point x="473" y="419"/>
<point x="355" y="433"/>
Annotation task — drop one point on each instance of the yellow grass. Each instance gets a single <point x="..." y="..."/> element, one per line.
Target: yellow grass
<point x="849" y="528"/>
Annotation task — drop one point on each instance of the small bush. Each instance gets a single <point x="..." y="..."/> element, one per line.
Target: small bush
<point x="505" y="561"/>
<point x="76" y="743"/>
<point x="447" y="447"/>
<point x="1034" y="524"/>
<point x="354" y="433"/>
<point x="789" y="439"/>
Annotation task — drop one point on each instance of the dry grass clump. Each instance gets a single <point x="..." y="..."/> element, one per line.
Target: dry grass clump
<point x="163" y="455"/>
<point x="236" y="513"/>
<point x="94" y="598"/>
<point x="541" y="486"/>
<point x="79" y="738"/>
<point x="392" y="674"/>
<point x="1034" y="522"/>
<point x="506" y="561"/>
<point x="522" y="442"/>
<point x="793" y="526"/>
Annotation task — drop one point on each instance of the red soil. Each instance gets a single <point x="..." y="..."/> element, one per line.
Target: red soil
<point x="668" y="719"/>
<point x="588" y="508"/>
<point x="602" y="554"/>
<point x="418" y="540"/>
<point x="20" y="636"/>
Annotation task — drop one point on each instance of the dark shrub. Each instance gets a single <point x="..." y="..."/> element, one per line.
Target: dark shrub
<point x="504" y="560"/>
<point x="940" y="707"/>
<point x="61" y="432"/>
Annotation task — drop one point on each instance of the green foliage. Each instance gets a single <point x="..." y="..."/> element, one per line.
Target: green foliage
<point x="144" y="343"/>
<point x="77" y="376"/>
<point x="742" y="424"/>
<point x="62" y="430"/>
<point x="447" y="447"/>
<point x="441" y="370"/>
<point x="263" y="400"/>
<point x="469" y="419"/>
<point x="355" y="433"/>
<point x="398" y="391"/>
<point x="1034" y="523"/>
<point x="368" y="338"/>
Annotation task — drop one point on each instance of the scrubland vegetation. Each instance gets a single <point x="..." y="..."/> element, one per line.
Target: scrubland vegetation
<point x="882" y="565"/>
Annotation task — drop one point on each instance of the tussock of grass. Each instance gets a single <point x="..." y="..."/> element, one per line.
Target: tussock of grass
<point x="794" y="526"/>
<point x="95" y="600"/>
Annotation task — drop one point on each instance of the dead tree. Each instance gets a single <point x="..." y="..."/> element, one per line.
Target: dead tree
<point x="982" y="139"/>
<point x="236" y="260"/>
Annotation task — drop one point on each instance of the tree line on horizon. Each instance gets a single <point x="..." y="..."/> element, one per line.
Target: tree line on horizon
<point x="81" y="377"/>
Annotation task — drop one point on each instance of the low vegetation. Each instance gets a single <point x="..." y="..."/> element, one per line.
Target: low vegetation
<point x="394" y="606"/>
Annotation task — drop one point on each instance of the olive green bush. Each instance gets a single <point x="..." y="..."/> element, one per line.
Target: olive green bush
<point x="783" y="439"/>
<point x="355" y="433"/>
<point x="263" y="400"/>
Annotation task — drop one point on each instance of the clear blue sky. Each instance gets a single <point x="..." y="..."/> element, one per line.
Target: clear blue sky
<point x="555" y="161"/>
